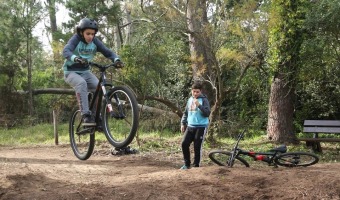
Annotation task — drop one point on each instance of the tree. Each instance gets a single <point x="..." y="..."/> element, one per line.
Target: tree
<point x="18" y="42"/>
<point x="285" y="39"/>
<point x="106" y="13"/>
<point x="319" y="76"/>
<point x="30" y="18"/>
<point x="202" y="55"/>
<point x="53" y="29"/>
<point x="222" y="46"/>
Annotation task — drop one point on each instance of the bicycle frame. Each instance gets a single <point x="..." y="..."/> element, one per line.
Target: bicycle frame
<point x="267" y="157"/>
<point x="275" y="157"/>
<point x="101" y="92"/>
<point x="116" y="115"/>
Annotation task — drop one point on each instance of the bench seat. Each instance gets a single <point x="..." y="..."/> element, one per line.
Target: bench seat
<point x="327" y="127"/>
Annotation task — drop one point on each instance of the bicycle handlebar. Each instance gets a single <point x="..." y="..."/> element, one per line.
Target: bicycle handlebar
<point x="100" y="66"/>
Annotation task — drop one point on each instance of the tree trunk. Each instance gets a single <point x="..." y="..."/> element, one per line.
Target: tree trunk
<point x="53" y="20"/>
<point x="283" y="59"/>
<point x="204" y="63"/>
<point x="29" y="56"/>
<point x="202" y="57"/>
<point x="281" y="109"/>
<point x="54" y="28"/>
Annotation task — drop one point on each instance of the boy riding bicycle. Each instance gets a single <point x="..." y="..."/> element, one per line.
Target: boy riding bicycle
<point x="79" y="50"/>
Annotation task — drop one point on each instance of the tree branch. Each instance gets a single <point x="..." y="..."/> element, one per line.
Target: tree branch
<point x="166" y="102"/>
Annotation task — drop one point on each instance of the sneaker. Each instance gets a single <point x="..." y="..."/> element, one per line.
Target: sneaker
<point x="184" y="167"/>
<point x="88" y="120"/>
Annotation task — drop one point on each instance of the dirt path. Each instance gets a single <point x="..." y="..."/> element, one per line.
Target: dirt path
<point x="53" y="172"/>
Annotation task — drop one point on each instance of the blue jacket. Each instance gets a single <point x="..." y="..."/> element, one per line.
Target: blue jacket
<point x="77" y="47"/>
<point x="196" y="116"/>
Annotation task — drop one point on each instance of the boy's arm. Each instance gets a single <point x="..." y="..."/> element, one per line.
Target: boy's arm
<point x="184" y="120"/>
<point x="108" y="53"/>
<point x="205" y="107"/>
<point x="70" y="47"/>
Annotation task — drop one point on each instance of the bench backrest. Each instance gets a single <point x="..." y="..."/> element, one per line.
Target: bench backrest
<point x="321" y="126"/>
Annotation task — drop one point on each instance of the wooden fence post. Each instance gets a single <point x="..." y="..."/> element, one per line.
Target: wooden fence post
<point x="55" y="125"/>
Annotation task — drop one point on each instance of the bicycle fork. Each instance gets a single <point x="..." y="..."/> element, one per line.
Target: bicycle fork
<point x="231" y="159"/>
<point x="120" y="114"/>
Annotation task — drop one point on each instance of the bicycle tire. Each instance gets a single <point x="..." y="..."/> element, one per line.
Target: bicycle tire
<point x="296" y="159"/>
<point x="221" y="158"/>
<point x="120" y="131"/>
<point x="82" y="139"/>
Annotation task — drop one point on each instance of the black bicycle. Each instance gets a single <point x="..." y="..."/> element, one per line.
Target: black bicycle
<point x="116" y="114"/>
<point x="273" y="157"/>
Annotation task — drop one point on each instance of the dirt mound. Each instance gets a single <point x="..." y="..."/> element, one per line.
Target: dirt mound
<point x="53" y="172"/>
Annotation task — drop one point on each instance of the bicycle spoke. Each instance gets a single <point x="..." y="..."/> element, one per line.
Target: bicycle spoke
<point x="81" y="138"/>
<point x="121" y="128"/>
<point x="295" y="159"/>
<point x="224" y="158"/>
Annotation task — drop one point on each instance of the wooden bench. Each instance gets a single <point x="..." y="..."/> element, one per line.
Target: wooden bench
<point x="320" y="126"/>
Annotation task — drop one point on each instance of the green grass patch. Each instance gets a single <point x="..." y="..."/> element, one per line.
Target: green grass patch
<point x="164" y="141"/>
<point x="33" y="135"/>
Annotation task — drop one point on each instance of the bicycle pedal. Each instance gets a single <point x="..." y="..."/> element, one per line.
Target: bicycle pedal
<point x="84" y="131"/>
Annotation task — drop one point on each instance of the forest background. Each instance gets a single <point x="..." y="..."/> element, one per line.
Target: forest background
<point x="266" y="64"/>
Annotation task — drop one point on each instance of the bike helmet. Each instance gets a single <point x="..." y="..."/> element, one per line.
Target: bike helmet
<point x="87" y="23"/>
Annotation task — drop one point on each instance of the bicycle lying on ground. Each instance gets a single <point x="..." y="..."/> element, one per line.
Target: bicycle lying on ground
<point x="273" y="157"/>
<point x="116" y="114"/>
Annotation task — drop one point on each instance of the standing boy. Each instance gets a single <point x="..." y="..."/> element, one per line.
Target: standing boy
<point x="194" y="124"/>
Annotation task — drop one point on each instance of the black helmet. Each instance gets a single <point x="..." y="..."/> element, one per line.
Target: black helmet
<point x="86" y="23"/>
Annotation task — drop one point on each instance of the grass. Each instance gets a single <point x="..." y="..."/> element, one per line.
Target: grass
<point x="165" y="141"/>
<point x="39" y="134"/>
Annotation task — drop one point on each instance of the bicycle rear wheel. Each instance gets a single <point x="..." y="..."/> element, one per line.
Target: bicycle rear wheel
<point x="120" y="127"/>
<point x="296" y="159"/>
<point x="221" y="158"/>
<point x="82" y="138"/>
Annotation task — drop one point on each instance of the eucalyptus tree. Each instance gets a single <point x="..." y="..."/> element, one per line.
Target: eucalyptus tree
<point x="222" y="42"/>
<point x="53" y="29"/>
<point x="11" y="70"/>
<point x="285" y="39"/>
<point x="156" y="55"/>
<point x="318" y="89"/>
<point x="31" y="15"/>
<point x="240" y="44"/>
<point x="174" y="42"/>
<point x="21" y="17"/>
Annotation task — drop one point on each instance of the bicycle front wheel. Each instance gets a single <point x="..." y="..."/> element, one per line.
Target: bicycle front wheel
<point x="120" y="126"/>
<point x="82" y="138"/>
<point x="221" y="158"/>
<point x="296" y="159"/>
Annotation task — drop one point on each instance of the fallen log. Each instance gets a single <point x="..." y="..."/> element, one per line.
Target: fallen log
<point x="175" y="111"/>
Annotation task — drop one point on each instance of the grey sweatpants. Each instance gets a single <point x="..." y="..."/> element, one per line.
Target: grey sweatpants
<point x="82" y="84"/>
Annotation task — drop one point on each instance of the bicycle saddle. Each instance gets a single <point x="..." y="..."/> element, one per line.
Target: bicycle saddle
<point x="281" y="149"/>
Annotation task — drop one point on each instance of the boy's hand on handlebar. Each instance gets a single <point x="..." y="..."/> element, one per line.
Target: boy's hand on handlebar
<point x="80" y="60"/>
<point x="118" y="64"/>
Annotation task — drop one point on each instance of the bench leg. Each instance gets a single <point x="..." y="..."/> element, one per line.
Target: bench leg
<point x="316" y="146"/>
